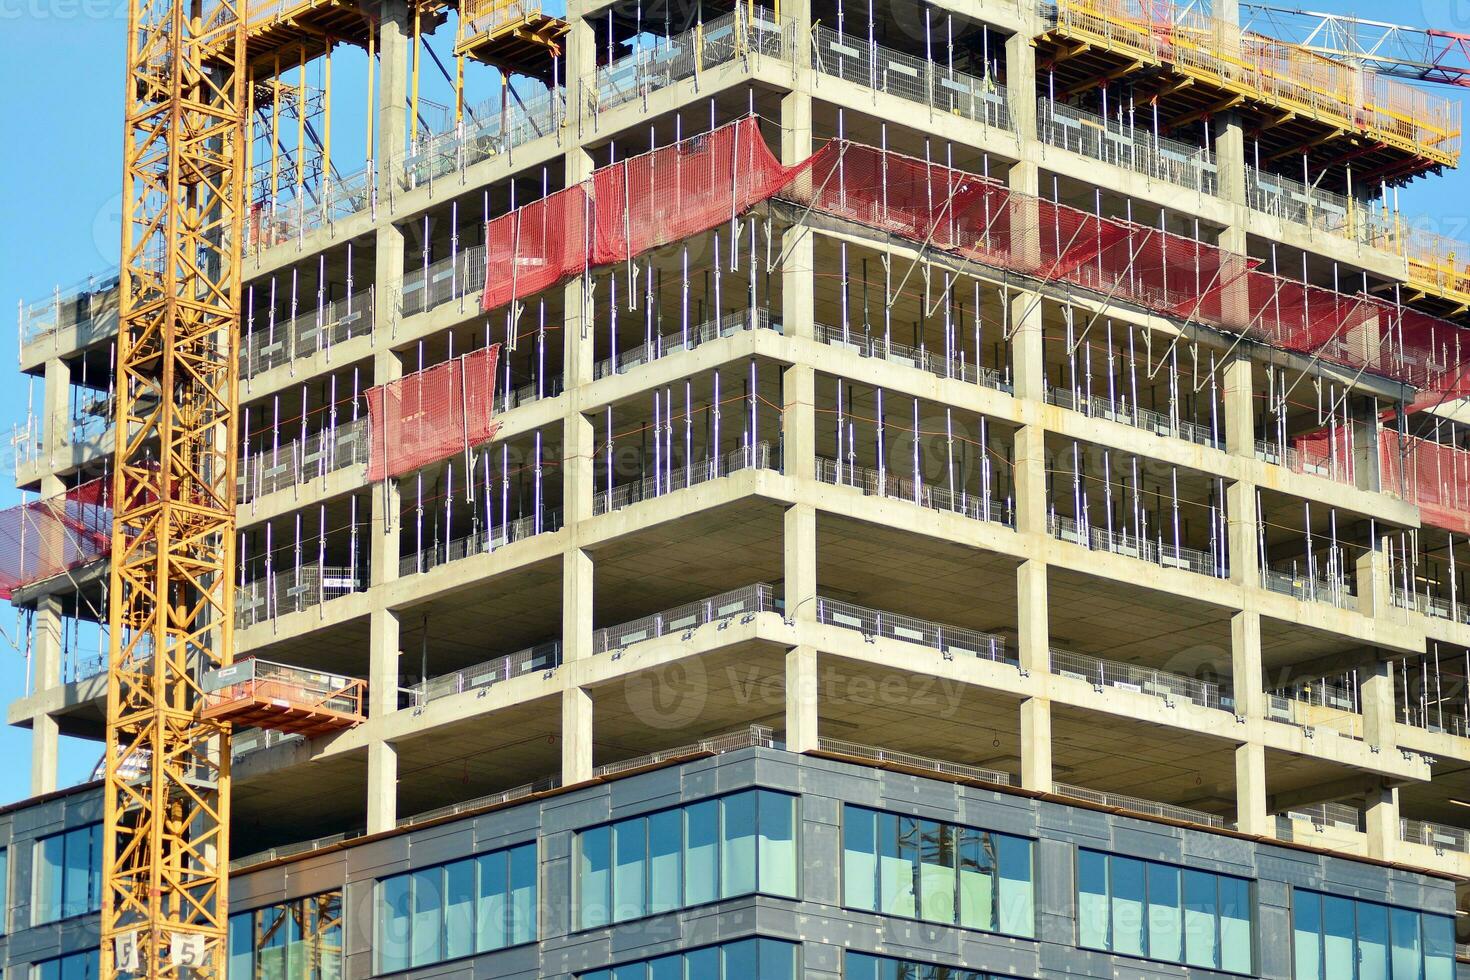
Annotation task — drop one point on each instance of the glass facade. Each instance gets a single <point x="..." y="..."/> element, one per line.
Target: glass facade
<point x="75" y="966"/>
<point x="1345" y="939"/>
<point x="301" y="940"/>
<point x="748" y="959"/>
<point x="861" y="966"/>
<point x="477" y="905"/>
<point x="68" y="874"/>
<point x="926" y="869"/>
<point x="713" y="849"/>
<point x="1163" y="912"/>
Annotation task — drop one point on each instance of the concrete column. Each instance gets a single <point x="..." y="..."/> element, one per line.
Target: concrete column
<point x="55" y="423"/>
<point x="1250" y="791"/>
<point x="1245" y="665"/>
<point x="46" y="674"/>
<point x="1382" y="822"/>
<point x="1242" y="537"/>
<point x="1028" y="348"/>
<point x="383" y="535"/>
<point x="576" y="605"/>
<point x="1032" y="618"/>
<point x="1031" y="502"/>
<point x="382" y="787"/>
<point x="579" y="60"/>
<point x="797" y="244"/>
<point x="1367" y="461"/>
<point x="802" y="699"/>
<point x="796" y="117"/>
<point x="395" y="41"/>
<point x="799" y="421"/>
<point x="578" y="468"/>
<point x="579" y="329"/>
<point x="1240" y="408"/>
<point x="1021" y="87"/>
<point x="1036" y="745"/>
<point x="1380" y="719"/>
<point x="576" y="736"/>
<point x="1373" y="585"/>
<point x="384" y="671"/>
<point x="801" y="563"/>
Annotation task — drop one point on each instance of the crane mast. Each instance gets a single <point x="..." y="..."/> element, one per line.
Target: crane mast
<point x="166" y="848"/>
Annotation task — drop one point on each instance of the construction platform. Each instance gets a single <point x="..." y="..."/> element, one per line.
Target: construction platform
<point x="259" y="694"/>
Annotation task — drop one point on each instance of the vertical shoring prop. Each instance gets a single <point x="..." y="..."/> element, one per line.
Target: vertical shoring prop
<point x="171" y="590"/>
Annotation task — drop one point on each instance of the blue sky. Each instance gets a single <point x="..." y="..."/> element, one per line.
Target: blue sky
<point x="61" y="70"/>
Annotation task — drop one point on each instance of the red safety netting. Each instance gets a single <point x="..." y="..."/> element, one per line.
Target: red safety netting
<point x="1326" y="453"/>
<point x="432" y="414"/>
<point x="692" y="186"/>
<point x="48" y="537"/>
<point x="1430" y="474"/>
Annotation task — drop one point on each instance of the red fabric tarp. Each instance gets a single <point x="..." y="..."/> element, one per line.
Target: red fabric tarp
<point x="432" y="414"/>
<point x="1432" y="475"/>
<point x="45" y="538"/>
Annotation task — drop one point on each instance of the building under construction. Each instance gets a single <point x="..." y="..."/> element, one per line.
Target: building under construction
<point x="933" y="491"/>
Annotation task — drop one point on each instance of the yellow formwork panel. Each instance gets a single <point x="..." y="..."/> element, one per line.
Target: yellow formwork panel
<point x="1269" y="71"/>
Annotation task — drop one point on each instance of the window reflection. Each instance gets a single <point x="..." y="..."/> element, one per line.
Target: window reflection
<point x="298" y="940"/>
<point x="68" y="874"/>
<point x="747" y="959"/>
<point x="1338" y="938"/>
<point x="861" y="966"/>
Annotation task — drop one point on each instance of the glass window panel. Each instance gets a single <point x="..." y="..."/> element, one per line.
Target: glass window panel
<point x="595" y="875"/>
<point x="1372" y="941"/>
<point x="630" y="971"/>
<point x="1201" y="941"/>
<point x="630" y="853"/>
<point x="1235" y="925"/>
<point x="777" y="843"/>
<point x="523" y="894"/>
<point x="94" y="883"/>
<point x="778" y="960"/>
<point x="329" y="907"/>
<point x="48" y="970"/>
<point x="1306" y="923"/>
<point x="860" y="966"/>
<point x="1126" y="885"/>
<point x="1407" y="955"/>
<point x="977" y="860"/>
<point x="427" y="928"/>
<point x="703" y="964"/>
<point x="666" y="967"/>
<point x="1337" y="942"/>
<point x="1165" y="918"/>
<point x="393" y="897"/>
<point x="701" y="837"/>
<point x="274" y="925"/>
<point x="241" y="940"/>
<point x="665" y="843"/>
<point x="51" y="855"/>
<point x="77" y="873"/>
<point x="936" y="871"/>
<point x="79" y="966"/>
<point x="1092" y="899"/>
<point x="895" y="866"/>
<point x="598" y="975"/>
<point x="459" y="909"/>
<point x="742" y="960"/>
<point x="859" y="858"/>
<point x="1439" y="947"/>
<point x="494" y="904"/>
<point x="1017" y="895"/>
<point x="737" y="844"/>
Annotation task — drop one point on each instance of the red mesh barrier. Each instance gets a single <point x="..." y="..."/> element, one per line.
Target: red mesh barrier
<point x="534" y="247"/>
<point x="48" y="537"/>
<point x="680" y="190"/>
<point x="432" y="414"/>
<point x="690" y="187"/>
<point x="1430" y="474"/>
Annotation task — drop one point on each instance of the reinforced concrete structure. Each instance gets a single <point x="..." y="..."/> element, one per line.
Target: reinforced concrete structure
<point x="805" y="490"/>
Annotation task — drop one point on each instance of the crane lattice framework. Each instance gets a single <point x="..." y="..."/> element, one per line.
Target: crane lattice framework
<point x="164" y="907"/>
<point x="1416" y="53"/>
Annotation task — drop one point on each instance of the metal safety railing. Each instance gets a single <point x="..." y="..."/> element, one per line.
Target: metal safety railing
<point x="301" y="460"/>
<point x="1157" y="551"/>
<point x="91" y="306"/>
<point x="746" y="601"/>
<point x="1316" y="208"/>
<point x="268" y="345"/>
<point x="674" y="341"/>
<point x="278" y="593"/>
<point x="1439" y="836"/>
<point x="489" y="129"/>
<point x="1144" y="680"/>
<point x="873" y="755"/>
<point x="948" y="640"/>
<point x="909" y="77"/>
<point x="1139" y="805"/>
<point x="453" y="277"/>
<point x="479" y="541"/>
<point x="274" y="221"/>
<point x="934" y="362"/>
<point x="1429" y="604"/>
<point x="1150" y="420"/>
<point x="1126" y="145"/>
<point x="1339" y="816"/>
<point x="541" y="657"/>
<point x="1316" y="586"/>
<point x="296" y="687"/>
<point x="680" y="476"/>
<point x="887" y="483"/>
<point x="754" y="737"/>
<point x="746" y="32"/>
<point x="1328" y="462"/>
<point x="1303" y="713"/>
